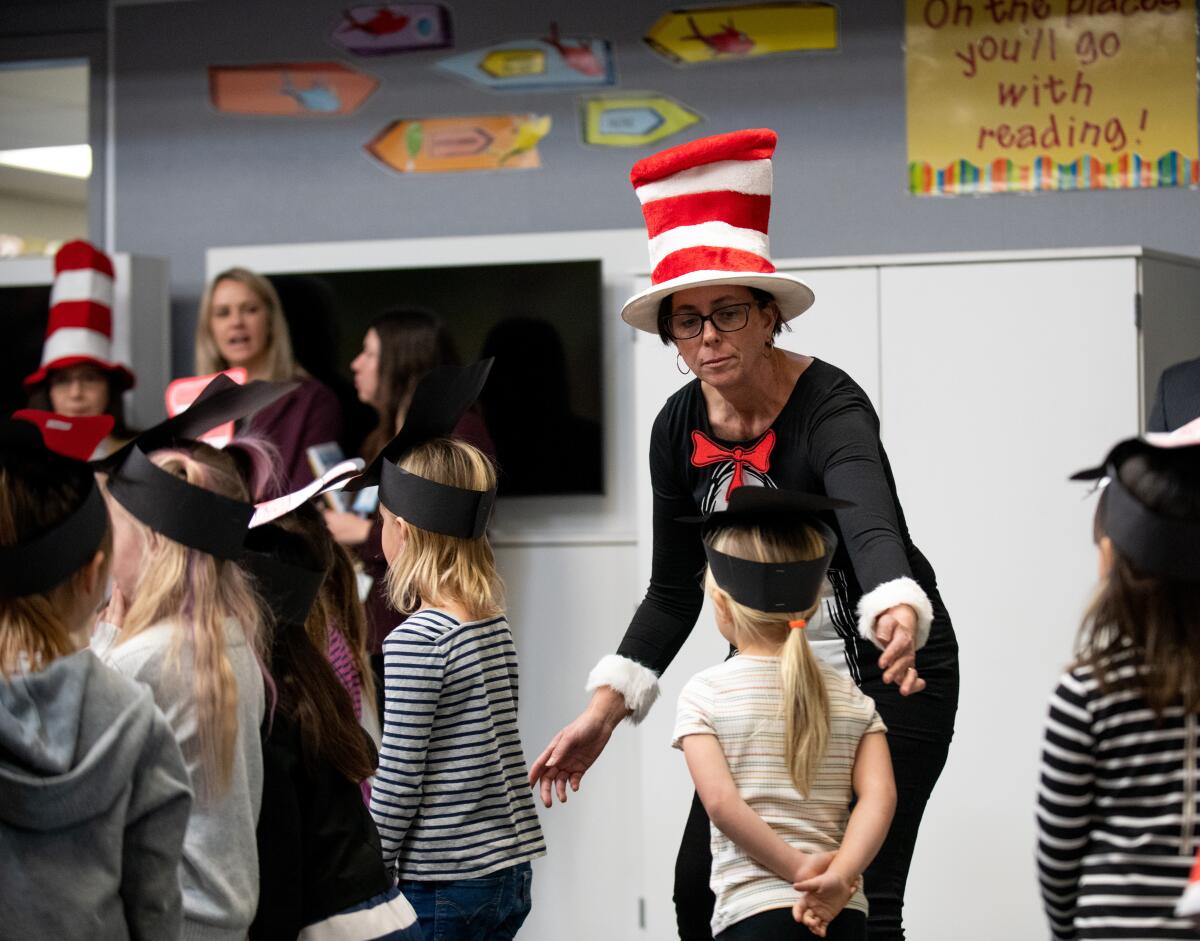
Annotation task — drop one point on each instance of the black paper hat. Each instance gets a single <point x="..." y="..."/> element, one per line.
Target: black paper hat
<point x="288" y="586"/>
<point x="36" y="565"/>
<point x="772" y="586"/>
<point x="222" y="400"/>
<point x="439" y="402"/>
<point x="169" y="505"/>
<point x="1155" y="544"/>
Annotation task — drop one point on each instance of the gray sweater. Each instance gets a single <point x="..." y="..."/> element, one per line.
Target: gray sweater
<point x="94" y="802"/>
<point x="220" y="854"/>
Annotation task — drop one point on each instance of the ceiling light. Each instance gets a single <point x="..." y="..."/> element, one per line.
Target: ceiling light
<point x="74" y="160"/>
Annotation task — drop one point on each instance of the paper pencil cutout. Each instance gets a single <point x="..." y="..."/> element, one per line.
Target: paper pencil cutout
<point x="547" y="63"/>
<point x="633" y="119"/>
<point x="438" y="145"/>
<point x="712" y="34"/>
<point x="387" y="29"/>
<point x="299" y="89"/>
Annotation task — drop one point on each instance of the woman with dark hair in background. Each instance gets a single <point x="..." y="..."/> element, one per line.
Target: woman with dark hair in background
<point x="399" y="347"/>
<point x="241" y="323"/>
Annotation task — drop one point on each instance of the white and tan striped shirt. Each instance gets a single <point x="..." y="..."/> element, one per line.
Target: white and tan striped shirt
<point x="739" y="702"/>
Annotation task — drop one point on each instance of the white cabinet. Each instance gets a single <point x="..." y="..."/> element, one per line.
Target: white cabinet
<point x="995" y="376"/>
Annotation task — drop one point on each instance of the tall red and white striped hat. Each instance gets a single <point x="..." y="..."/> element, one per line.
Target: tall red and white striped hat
<point x="707" y="204"/>
<point x="80" y="325"/>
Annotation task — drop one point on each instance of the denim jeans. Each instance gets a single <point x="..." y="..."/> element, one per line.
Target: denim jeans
<point x="489" y="908"/>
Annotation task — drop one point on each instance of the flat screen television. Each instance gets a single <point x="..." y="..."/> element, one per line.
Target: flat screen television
<point x="544" y="403"/>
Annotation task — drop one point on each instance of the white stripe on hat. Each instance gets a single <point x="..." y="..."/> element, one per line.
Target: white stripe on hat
<point x="715" y="234"/>
<point x="76" y="341"/>
<point x="752" y="177"/>
<point x="82" y="284"/>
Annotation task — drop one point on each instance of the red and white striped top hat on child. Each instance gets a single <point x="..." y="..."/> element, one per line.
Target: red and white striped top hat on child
<point x="707" y="204"/>
<point x="80" y="326"/>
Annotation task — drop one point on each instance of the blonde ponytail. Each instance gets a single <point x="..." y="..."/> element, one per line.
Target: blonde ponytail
<point x="805" y="702"/>
<point x="805" y="710"/>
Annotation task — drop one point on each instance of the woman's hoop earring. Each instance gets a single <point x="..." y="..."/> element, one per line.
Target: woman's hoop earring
<point x="683" y="370"/>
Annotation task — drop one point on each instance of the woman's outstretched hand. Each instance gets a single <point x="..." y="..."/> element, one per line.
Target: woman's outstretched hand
<point x="573" y="750"/>
<point x="896" y="629"/>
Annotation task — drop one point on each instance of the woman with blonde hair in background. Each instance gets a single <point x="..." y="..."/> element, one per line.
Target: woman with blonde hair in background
<point x="241" y="324"/>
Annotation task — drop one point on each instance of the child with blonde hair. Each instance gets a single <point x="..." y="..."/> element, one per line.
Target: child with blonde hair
<point x="186" y="621"/>
<point x="454" y="811"/>
<point x="94" y="796"/>
<point x="777" y="743"/>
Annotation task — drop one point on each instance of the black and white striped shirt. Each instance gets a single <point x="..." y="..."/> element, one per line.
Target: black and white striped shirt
<point x="451" y="798"/>
<point x="1117" y="815"/>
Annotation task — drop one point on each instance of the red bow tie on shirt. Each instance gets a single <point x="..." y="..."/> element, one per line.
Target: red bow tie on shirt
<point x="705" y="452"/>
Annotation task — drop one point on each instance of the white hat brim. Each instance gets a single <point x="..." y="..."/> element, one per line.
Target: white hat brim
<point x="792" y="295"/>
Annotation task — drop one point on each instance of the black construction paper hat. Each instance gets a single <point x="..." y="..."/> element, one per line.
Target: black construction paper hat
<point x="439" y="402"/>
<point x="169" y="505"/>
<point x="288" y="588"/>
<point x="36" y="565"/>
<point x="1155" y="544"/>
<point x="784" y="587"/>
<point x="222" y="400"/>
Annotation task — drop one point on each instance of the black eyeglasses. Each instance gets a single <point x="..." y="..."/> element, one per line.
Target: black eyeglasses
<point x="725" y="319"/>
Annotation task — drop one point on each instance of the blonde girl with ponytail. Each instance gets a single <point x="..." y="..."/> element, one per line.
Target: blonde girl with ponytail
<point x="778" y="744"/>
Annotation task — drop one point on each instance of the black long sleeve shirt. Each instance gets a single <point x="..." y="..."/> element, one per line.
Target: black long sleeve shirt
<point x="824" y="441"/>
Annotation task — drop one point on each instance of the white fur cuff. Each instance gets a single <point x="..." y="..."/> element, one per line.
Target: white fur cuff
<point x="901" y="590"/>
<point x="638" y="684"/>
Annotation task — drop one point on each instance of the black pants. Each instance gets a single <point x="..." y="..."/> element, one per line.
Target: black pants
<point x="917" y="764"/>
<point x="778" y="925"/>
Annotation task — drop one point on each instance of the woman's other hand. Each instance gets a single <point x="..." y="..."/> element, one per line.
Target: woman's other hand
<point x="896" y="629"/>
<point x="349" y="529"/>
<point x="573" y="750"/>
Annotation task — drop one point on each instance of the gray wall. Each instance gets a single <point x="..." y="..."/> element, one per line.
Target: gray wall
<point x="188" y="178"/>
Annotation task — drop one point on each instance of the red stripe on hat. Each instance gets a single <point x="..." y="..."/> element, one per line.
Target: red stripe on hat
<point x="709" y="258"/>
<point x="86" y="314"/>
<point x="82" y="255"/>
<point x="754" y="144"/>
<point x="740" y="210"/>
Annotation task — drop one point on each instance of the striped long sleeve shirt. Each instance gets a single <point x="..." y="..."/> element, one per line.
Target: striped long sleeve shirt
<point x="451" y="798"/>
<point x="1117" y="814"/>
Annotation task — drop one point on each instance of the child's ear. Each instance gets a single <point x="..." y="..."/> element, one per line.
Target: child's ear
<point x="721" y="605"/>
<point x="94" y="573"/>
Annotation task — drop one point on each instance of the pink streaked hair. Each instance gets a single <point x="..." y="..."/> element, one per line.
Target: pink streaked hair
<point x="200" y="594"/>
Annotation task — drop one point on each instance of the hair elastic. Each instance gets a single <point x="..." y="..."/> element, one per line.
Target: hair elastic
<point x="798" y="625"/>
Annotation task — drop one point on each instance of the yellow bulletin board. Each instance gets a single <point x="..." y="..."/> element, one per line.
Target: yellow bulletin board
<point x="1029" y="95"/>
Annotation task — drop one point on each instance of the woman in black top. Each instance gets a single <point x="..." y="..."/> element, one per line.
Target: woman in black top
<point x="757" y="415"/>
